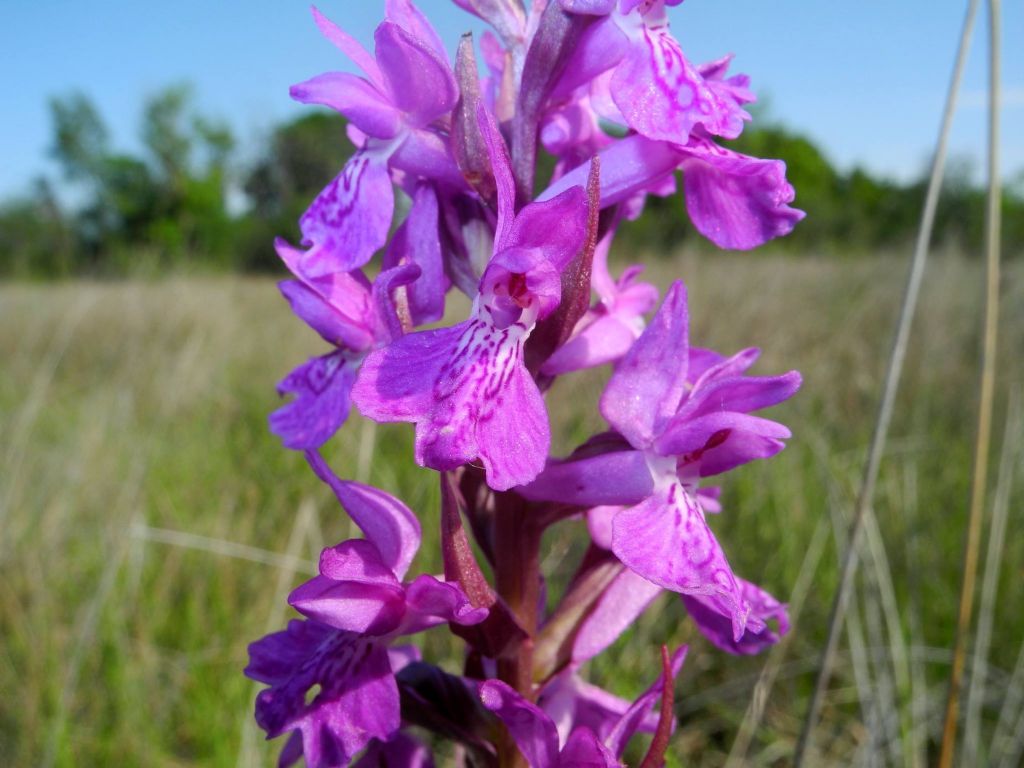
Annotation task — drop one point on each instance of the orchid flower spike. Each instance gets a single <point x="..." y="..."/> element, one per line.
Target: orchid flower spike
<point x="466" y="387"/>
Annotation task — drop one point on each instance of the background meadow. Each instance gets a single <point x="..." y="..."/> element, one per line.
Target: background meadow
<point x="151" y="526"/>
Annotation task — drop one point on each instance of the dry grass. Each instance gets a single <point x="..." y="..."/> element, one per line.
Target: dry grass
<point x="135" y="407"/>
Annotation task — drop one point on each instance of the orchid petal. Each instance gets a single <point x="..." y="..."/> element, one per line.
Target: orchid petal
<point x="273" y="658"/>
<point x="628" y="166"/>
<point x="356" y="560"/>
<point x="600" y="48"/>
<point x="666" y="540"/>
<point x="357" y="699"/>
<point x="426" y="154"/>
<point x="645" y="390"/>
<point x="583" y="750"/>
<point x="742" y="394"/>
<point x="391" y="315"/>
<point x="706" y="365"/>
<point x="736" y="201"/>
<point x="349" y="46"/>
<point x="347" y="293"/>
<point x="712" y="618"/>
<point x="396" y="382"/>
<point x="557" y="227"/>
<point x="386" y="522"/>
<point x="432" y="602"/>
<point x="420" y="81"/>
<point x="533" y="273"/>
<point x="513" y="433"/>
<point x="620" y="605"/>
<point x="573" y="703"/>
<point x="321" y="386"/>
<point x="604" y="340"/>
<point x="600" y="521"/>
<point x="326" y="318"/>
<point x="349" y="220"/>
<point x="620" y="477"/>
<point x="531" y="729"/>
<point x="662" y="95"/>
<point x="468" y="392"/>
<point x="736" y="87"/>
<point x="365" y="608"/>
<point x="418" y="241"/>
<point x="411" y="19"/>
<point x="725" y="433"/>
<point x="353" y="97"/>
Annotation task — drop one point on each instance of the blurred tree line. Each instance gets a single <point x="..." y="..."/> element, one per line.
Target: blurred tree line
<point x="191" y="199"/>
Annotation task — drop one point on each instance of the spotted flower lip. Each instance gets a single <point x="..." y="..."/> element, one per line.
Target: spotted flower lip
<point x="405" y="87"/>
<point x="658" y="92"/>
<point x="680" y="429"/>
<point x="466" y="387"/>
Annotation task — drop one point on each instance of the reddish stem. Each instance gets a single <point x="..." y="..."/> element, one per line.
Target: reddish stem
<point x="655" y="757"/>
<point x="517" y="577"/>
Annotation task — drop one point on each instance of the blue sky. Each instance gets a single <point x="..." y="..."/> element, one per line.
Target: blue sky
<point x="865" y="79"/>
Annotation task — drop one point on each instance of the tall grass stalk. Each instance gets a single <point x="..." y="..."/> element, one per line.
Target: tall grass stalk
<point x="918" y="738"/>
<point x="892" y="379"/>
<point x="990" y="580"/>
<point x="762" y="689"/>
<point x="867" y="694"/>
<point x="897" y="643"/>
<point x="985" y="401"/>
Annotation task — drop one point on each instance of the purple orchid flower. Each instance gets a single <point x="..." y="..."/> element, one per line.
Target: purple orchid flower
<point x="354" y="316"/>
<point x="573" y="703"/>
<point x="712" y="619"/>
<point x="658" y="92"/>
<point x="354" y="609"/>
<point x="572" y="130"/>
<point x="736" y="201"/>
<point x="629" y="594"/>
<point x="537" y="736"/>
<point x="677" y="430"/>
<point x="407" y="88"/>
<point x="466" y="387"/>
<point x="607" y="331"/>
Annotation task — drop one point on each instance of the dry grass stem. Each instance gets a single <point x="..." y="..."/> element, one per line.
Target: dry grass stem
<point x="985" y="401"/>
<point x="976" y="692"/>
<point x="892" y="378"/>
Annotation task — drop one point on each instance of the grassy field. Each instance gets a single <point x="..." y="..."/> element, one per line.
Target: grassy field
<point x="150" y="526"/>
